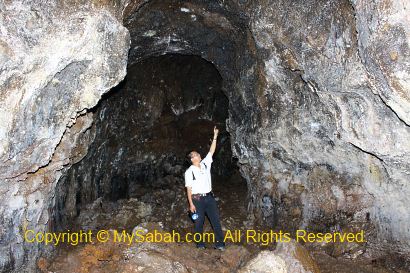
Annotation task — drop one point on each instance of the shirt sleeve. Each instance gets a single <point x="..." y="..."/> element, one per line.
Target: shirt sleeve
<point x="207" y="160"/>
<point x="188" y="179"/>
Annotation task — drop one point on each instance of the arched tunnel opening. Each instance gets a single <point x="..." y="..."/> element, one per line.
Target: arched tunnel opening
<point x="143" y="129"/>
<point x="102" y="100"/>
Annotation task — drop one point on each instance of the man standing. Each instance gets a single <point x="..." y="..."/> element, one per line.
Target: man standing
<point x="201" y="199"/>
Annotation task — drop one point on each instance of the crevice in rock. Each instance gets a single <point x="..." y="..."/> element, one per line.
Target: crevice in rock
<point x="370" y="76"/>
<point x="23" y="176"/>
<point x="367" y="152"/>
<point x="392" y="110"/>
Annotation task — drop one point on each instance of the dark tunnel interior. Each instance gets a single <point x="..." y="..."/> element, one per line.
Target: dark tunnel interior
<point x="165" y="107"/>
<point x="101" y="101"/>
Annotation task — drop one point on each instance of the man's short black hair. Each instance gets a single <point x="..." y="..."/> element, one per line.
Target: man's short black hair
<point x="189" y="155"/>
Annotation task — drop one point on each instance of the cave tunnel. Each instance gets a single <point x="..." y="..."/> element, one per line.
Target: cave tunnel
<point x="144" y="128"/>
<point x="183" y="78"/>
<point x="100" y="102"/>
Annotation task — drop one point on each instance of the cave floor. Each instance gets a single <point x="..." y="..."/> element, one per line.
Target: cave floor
<point x="175" y="257"/>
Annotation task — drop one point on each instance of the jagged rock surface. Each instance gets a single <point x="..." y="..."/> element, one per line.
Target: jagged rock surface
<point x="56" y="60"/>
<point x="318" y="103"/>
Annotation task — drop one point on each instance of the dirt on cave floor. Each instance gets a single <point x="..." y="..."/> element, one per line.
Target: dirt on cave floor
<point x="167" y="211"/>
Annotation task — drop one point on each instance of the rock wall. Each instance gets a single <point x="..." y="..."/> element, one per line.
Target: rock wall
<point x="318" y="113"/>
<point x="56" y="60"/>
<point x="333" y="146"/>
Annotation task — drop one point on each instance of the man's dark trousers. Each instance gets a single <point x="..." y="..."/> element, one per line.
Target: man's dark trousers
<point x="207" y="205"/>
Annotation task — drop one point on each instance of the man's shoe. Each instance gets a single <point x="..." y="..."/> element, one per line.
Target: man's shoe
<point x="221" y="248"/>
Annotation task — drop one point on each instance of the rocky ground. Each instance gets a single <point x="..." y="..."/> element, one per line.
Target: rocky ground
<point x="164" y="210"/>
<point x="316" y="93"/>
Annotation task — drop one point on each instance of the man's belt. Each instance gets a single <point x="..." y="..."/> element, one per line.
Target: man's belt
<point x="203" y="194"/>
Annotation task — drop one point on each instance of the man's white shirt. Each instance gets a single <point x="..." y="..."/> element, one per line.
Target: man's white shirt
<point x="199" y="179"/>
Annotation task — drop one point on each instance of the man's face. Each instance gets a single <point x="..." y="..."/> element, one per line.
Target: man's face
<point x="195" y="157"/>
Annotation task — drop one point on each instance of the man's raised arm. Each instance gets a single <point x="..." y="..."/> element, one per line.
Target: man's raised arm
<point x="213" y="145"/>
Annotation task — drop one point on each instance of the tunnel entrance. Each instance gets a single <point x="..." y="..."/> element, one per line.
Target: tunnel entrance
<point x="311" y="125"/>
<point x="133" y="172"/>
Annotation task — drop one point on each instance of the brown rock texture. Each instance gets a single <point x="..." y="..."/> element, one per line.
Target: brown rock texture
<point x="317" y="98"/>
<point x="56" y="60"/>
